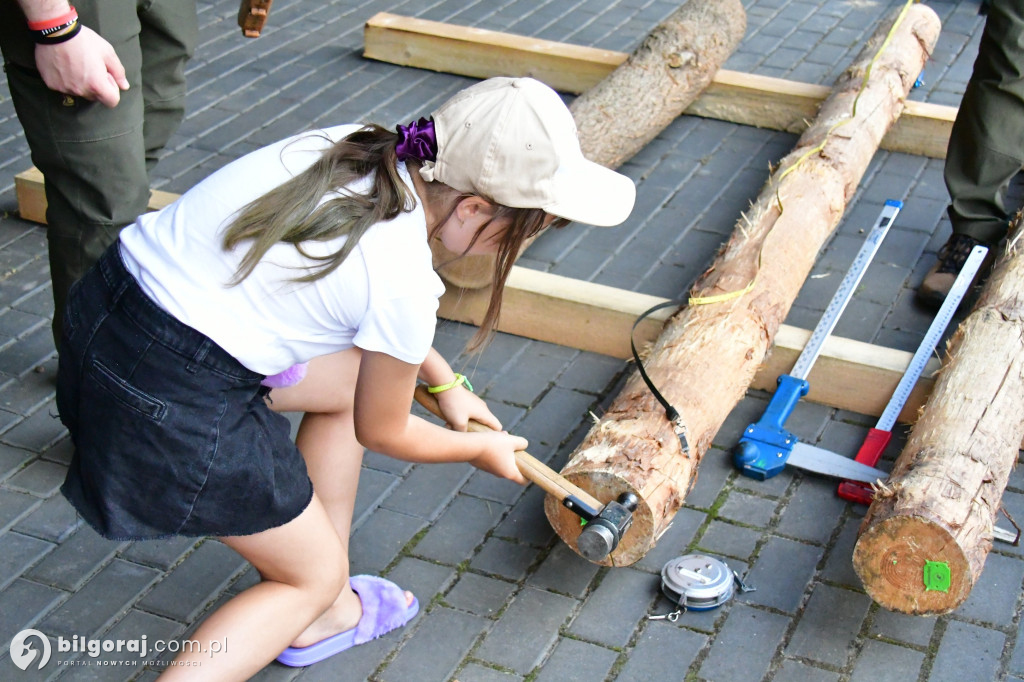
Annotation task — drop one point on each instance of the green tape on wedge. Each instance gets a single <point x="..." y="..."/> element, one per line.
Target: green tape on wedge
<point x="936" y="576"/>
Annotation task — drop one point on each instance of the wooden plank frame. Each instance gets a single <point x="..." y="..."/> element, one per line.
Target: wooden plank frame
<point x="748" y="99"/>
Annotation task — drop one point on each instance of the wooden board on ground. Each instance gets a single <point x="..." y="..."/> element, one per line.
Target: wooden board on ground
<point x="850" y="375"/>
<point x="761" y="101"/>
<point x="31" y="194"/>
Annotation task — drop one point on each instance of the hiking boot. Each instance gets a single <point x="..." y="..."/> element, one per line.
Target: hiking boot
<point x="952" y="256"/>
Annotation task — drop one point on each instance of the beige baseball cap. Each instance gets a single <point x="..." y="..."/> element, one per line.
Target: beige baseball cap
<point x="513" y="140"/>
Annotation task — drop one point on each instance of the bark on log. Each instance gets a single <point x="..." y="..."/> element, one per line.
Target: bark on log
<point x="941" y="501"/>
<point x="707" y="355"/>
<point x="636" y="101"/>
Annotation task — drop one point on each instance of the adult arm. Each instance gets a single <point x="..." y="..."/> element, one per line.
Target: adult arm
<point x="383" y="422"/>
<point x="85" y="66"/>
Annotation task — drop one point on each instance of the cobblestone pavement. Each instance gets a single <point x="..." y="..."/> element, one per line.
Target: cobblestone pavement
<point x="503" y="598"/>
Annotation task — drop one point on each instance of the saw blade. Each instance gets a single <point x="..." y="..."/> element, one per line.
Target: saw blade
<point x="828" y="463"/>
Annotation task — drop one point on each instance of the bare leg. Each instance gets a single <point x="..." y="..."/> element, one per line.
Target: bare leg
<point x="304" y="568"/>
<point x="327" y="441"/>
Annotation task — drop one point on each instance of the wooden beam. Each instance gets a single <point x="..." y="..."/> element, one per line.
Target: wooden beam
<point x="30" y="191"/>
<point x="848" y="374"/>
<point x="761" y="101"/>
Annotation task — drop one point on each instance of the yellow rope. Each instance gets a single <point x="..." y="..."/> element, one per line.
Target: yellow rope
<point x="721" y="298"/>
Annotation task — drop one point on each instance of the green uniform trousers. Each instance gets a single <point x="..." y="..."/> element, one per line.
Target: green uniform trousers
<point x="986" y="146"/>
<point x="96" y="160"/>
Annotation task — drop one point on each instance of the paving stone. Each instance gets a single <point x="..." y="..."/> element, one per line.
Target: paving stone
<point x="531" y="622"/>
<point x="27" y="352"/>
<point x="675" y="541"/>
<point x="75" y="560"/>
<point x="426" y="580"/>
<point x="883" y="662"/>
<point x="506" y="559"/>
<point x="590" y="373"/>
<point x="797" y="671"/>
<point x="436" y="648"/>
<point x="17" y="553"/>
<point x="12" y="460"/>
<point x="756" y="633"/>
<point x="374" y="488"/>
<point x="1016" y="661"/>
<point x="523" y="388"/>
<point x="727" y="539"/>
<point x="900" y="627"/>
<point x="36" y="432"/>
<point x="427" y="489"/>
<point x="162" y="554"/>
<point x="565" y="572"/>
<point x="575" y="660"/>
<point x="967" y="652"/>
<point x="526" y="522"/>
<point x="839" y="565"/>
<point x="459" y="530"/>
<point x="612" y="611"/>
<point x="715" y="469"/>
<point x="23" y="604"/>
<point x="546" y="425"/>
<point x="100" y="601"/>
<point x="474" y="672"/>
<point x="14" y="506"/>
<point x="813" y="512"/>
<point x="378" y="541"/>
<point x="60" y="452"/>
<point x="781" y="573"/>
<point x="748" y="509"/>
<point x="989" y="600"/>
<point x="195" y="582"/>
<point x="829" y="625"/>
<point x="53" y="520"/>
<point x="479" y="594"/>
<point x="40" y="478"/>
<point x="134" y="626"/>
<point x="662" y="651"/>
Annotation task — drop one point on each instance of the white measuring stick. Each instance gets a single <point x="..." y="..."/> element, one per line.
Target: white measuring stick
<point x="931" y="338"/>
<point x="846" y="288"/>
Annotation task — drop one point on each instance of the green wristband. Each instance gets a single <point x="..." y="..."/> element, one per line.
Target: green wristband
<point x="459" y="379"/>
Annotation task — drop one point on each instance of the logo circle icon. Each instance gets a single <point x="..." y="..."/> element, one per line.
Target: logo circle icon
<point x="23" y="654"/>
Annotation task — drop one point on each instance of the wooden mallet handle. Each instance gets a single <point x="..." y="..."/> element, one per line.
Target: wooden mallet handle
<point x="531" y="467"/>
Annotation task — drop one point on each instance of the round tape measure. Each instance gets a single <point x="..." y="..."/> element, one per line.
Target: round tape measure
<point x="697" y="582"/>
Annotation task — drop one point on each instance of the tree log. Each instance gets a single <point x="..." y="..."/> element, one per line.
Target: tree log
<point x="707" y="355"/>
<point x="941" y="500"/>
<point x="636" y="101"/>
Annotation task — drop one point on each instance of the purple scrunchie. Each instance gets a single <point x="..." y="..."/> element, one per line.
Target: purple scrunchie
<point x="417" y="141"/>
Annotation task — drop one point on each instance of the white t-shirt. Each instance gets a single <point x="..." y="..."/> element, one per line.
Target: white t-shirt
<point x="382" y="298"/>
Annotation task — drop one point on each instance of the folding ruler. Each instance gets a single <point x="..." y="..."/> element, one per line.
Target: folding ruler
<point x="766" y="446"/>
<point x="878" y="437"/>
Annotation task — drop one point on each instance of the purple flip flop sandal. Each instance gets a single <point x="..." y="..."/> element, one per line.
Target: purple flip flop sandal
<point x="384" y="609"/>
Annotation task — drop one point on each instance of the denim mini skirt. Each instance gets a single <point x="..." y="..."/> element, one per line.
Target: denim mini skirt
<point x="171" y="434"/>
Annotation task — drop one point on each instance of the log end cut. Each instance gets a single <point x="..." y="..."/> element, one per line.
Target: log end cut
<point x="636" y="542"/>
<point x="912" y="565"/>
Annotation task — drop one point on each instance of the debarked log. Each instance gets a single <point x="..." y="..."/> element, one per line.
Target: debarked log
<point x="707" y="355"/>
<point x="924" y="541"/>
<point x="636" y="101"/>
